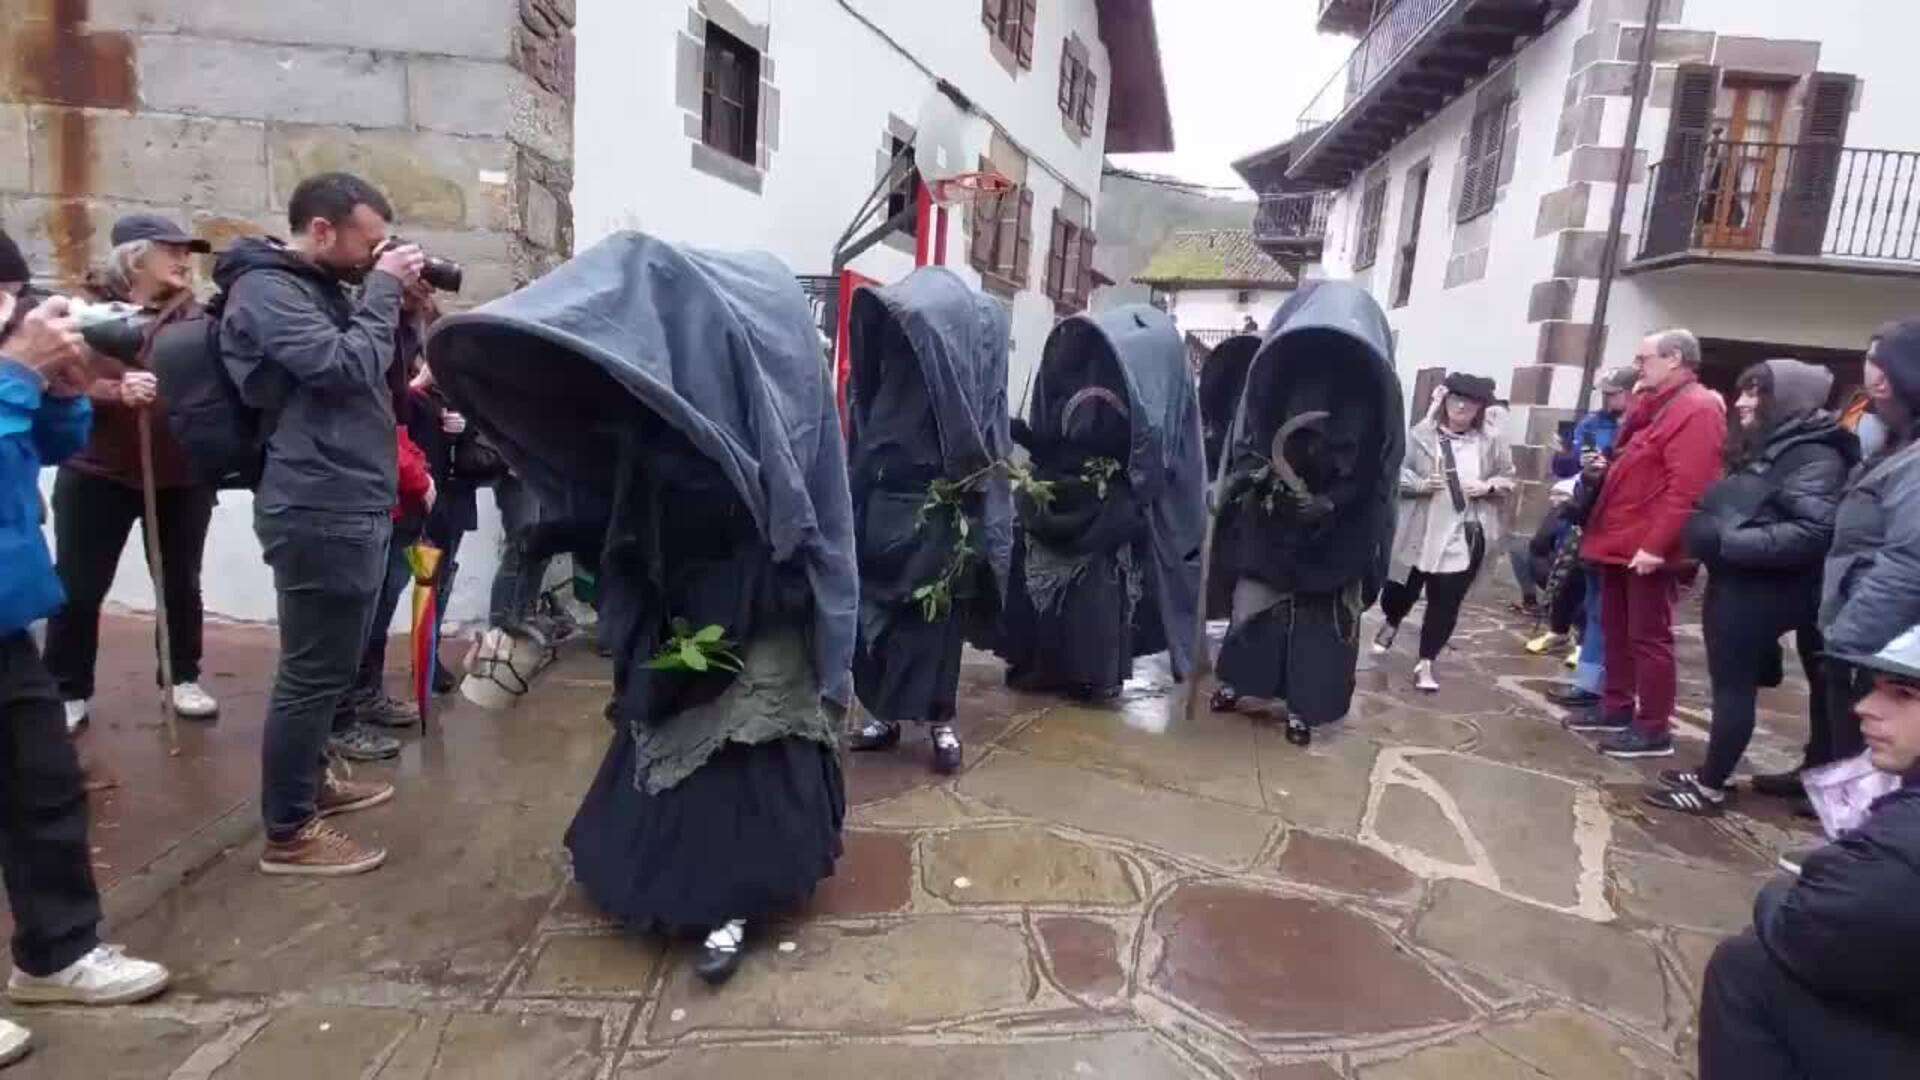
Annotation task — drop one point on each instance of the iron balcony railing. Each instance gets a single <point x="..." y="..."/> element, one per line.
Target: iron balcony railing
<point x="1292" y="218"/>
<point x="1808" y="199"/>
<point x="1393" y="32"/>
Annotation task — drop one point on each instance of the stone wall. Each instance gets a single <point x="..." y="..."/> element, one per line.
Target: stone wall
<point x="212" y="110"/>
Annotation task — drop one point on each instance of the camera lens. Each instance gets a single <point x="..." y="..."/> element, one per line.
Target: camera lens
<point x="443" y="274"/>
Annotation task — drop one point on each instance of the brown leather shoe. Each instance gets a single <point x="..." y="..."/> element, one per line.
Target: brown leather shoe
<point x="340" y="795"/>
<point x="318" y="850"/>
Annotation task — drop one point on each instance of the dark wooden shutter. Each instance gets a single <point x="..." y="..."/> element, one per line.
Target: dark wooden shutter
<point x="1676" y="186"/>
<point x="1815" y="172"/>
<point x="1084" y="293"/>
<point x="1470" y="180"/>
<point x="1029" y="19"/>
<point x="1055" y="285"/>
<point x="1022" y="237"/>
<point x="990" y="14"/>
<point x="1089" y="84"/>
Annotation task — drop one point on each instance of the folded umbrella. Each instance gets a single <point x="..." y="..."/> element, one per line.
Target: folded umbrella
<point x="423" y="559"/>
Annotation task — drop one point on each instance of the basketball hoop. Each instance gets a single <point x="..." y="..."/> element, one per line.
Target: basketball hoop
<point x="968" y="187"/>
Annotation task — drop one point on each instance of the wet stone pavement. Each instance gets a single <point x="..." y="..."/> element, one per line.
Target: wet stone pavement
<point x="1444" y="885"/>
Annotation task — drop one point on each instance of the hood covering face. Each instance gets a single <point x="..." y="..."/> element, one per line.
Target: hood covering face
<point x="956" y="338"/>
<point x="1136" y="352"/>
<point x="1330" y="349"/>
<point x="1222" y="377"/>
<point x="1798" y="387"/>
<point x="722" y="347"/>
<point x="1898" y="354"/>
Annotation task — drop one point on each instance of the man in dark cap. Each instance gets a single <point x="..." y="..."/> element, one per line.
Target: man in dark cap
<point x="1823" y="984"/>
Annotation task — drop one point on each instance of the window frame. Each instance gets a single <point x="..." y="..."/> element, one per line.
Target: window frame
<point x="1001" y="245"/>
<point x="730" y="124"/>
<point x="1413" y="212"/>
<point x="1012" y="24"/>
<point x="1486" y="149"/>
<point x="1373" y="207"/>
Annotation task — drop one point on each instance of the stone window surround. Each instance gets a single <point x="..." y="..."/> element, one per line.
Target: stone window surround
<point x="691" y="59"/>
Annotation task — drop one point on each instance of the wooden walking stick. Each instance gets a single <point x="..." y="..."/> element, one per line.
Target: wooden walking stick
<point x="150" y="527"/>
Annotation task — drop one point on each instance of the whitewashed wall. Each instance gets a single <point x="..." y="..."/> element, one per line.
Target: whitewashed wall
<point x="1223" y="309"/>
<point x="838" y="82"/>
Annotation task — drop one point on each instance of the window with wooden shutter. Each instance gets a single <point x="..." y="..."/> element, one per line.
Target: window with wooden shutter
<point x="1675" y="198"/>
<point x="1084" y="294"/>
<point x="1486" y="142"/>
<point x="1022" y="254"/>
<point x="984" y="220"/>
<point x="730" y="96"/>
<point x="1372" y="206"/>
<point x="1815" y="172"/>
<point x="1056" y="258"/>
<point x="1069" y="79"/>
<point x="1089" y="85"/>
<point x="1013" y="24"/>
<point x="1029" y="23"/>
<point x="990" y="15"/>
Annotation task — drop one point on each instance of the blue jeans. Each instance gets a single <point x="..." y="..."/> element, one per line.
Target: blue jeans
<point x="1591" y="672"/>
<point x="516" y="584"/>
<point x="327" y="570"/>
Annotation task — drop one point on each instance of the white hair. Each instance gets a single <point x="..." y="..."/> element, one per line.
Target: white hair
<point x="122" y="262"/>
<point x="1678" y="342"/>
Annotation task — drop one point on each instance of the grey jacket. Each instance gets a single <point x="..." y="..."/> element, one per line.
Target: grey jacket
<point x="1871" y="592"/>
<point x="315" y="363"/>
<point x="1423" y="461"/>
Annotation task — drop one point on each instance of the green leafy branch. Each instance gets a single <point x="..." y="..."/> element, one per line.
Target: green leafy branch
<point x="705" y="649"/>
<point x="1100" y="472"/>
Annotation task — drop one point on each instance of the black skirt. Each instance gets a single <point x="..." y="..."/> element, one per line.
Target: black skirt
<point x="913" y="673"/>
<point x="1301" y="651"/>
<point x="747" y="835"/>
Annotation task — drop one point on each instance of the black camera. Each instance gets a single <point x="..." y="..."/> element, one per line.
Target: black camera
<point x="114" y="329"/>
<point x="442" y="274"/>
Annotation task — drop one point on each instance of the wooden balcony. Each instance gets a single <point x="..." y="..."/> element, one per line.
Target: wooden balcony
<point x="1416" y="56"/>
<point x="1808" y="206"/>
<point x="1292" y="227"/>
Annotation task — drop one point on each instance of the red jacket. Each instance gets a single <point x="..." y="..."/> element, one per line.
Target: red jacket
<point x="1667" y="455"/>
<point x="415" y="479"/>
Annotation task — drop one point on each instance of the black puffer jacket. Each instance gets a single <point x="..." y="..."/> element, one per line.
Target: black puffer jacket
<point x="1848" y="929"/>
<point x="1775" y="512"/>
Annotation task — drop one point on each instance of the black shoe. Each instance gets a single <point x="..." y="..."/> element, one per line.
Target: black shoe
<point x="1636" y="744"/>
<point x="443" y="680"/>
<point x="1224" y="699"/>
<point x="1780" y="785"/>
<point x="875" y="735"/>
<point x="1570" y="696"/>
<point x="358" y="742"/>
<point x="1299" y="733"/>
<point x="1596" y="719"/>
<point x="947" y="753"/>
<point x="1685" y="794"/>
<point x="721" y="953"/>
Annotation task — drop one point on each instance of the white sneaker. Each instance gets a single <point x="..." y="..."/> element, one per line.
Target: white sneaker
<point x="15" y="1041"/>
<point x="191" y="701"/>
<point x="77" y="714"/>
<point x="1423" y="677"/>
<point x="105" y="976"/>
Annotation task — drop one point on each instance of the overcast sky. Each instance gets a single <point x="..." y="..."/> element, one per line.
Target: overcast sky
<point x="1238" y="73"/>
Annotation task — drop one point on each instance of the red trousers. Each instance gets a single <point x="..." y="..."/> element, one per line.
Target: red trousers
<point x="1636" y="612"/>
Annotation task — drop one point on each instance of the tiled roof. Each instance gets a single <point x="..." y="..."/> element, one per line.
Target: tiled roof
<point x="1215" y="258"/>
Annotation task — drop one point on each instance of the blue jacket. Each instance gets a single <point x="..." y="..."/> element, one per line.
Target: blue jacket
<point x="34" y="431"/>
<point x="1600" y="427"/>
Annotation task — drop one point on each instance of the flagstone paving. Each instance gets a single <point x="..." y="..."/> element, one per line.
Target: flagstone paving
<point x="1445" y="885"/>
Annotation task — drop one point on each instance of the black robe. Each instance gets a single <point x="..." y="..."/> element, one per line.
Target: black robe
<point x="1079" y="637"/>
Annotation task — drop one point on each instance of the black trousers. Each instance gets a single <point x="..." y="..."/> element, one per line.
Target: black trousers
<point x="1758" y="1023"/>
<point x="92" y="518"/>
<point x="1445" y="594"/>
<point x="1833" y="733"/>
<point x="327" y="568"/>
<point x="44" y="854"/>
<point x="1744" y="616"/>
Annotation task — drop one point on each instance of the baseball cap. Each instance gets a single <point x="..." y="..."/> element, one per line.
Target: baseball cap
<point x="158" y="229"/>
<point x="1620" y="380"/>
<point x="1900" y="657"/>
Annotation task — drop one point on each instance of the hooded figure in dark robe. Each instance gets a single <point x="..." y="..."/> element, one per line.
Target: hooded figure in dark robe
<point x="928" y="443"/>
<point x="1304" y="539"/>
<point x="1108" y="560"/>
<point x="1223" y="375"/>
<point x="673" y="404"/>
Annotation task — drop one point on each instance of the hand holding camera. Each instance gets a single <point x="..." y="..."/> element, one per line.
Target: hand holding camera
<point x="49" y="342"/>
<point x="400" y="260"/>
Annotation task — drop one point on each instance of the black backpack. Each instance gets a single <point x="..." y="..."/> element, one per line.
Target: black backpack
<point x="224" y="437"/>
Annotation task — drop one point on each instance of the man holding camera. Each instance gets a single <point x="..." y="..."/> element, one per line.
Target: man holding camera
<point x="44" y="854"/>
<point x="314" y="360"/>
